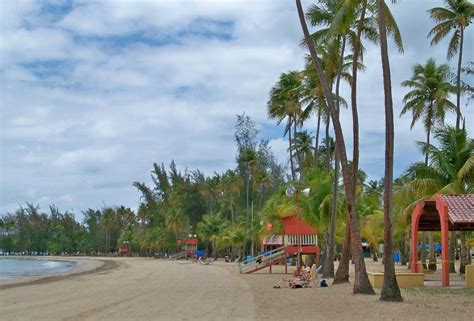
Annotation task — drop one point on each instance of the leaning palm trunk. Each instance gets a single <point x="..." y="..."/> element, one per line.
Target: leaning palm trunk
<point x="342" y="273"/>
<point x="390" y="289"/>
<point x="361" y="284"/>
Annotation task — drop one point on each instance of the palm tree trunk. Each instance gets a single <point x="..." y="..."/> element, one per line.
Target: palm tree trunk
<point x="328" y="271"/>
<point x="291" y="150"/>
<point x="432" y="258"/>
<point x="355" y="114"/>
<point x="464" y="260"/>
<point x="328" y="153"/>
<point x="423" y="250"/>
<point x="430" y="266"/>
<point x="452" y="252"/>
<point x="316" y="147"/>
<point x="361" y="284"/>
<point x="297" y="151"/>
<point x="342" y="273"/>
<point x="390" y="290"/>
<point x="458" y="83"/>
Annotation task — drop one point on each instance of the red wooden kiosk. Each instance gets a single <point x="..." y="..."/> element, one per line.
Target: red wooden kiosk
<point x="444" y="213"/>
<point x="298" y="238"/>
<point x="190" y="246"/>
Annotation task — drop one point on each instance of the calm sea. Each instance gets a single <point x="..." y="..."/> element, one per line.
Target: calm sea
<point x="10" y="267"/>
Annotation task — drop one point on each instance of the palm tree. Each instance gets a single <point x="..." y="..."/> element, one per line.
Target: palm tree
<point x="451" y="168"/>
<point x="176" y="222"/>
<point x="284" y="103"/>
<point x="303" y="145"/>
<point x="390" y="290"/>
<point x="352" y="19"/>
<point x="453" y="19"/>
<point x="210" y="228"/>
<point x="429" y="96"/>
<point x="428" y="100"/>
<point x="361" y="284"/>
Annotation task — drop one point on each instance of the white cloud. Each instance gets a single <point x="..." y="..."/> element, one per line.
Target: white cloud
<point x="91" y="97"/>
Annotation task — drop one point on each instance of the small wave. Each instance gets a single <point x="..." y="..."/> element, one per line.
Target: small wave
<point x="51" y="264"/>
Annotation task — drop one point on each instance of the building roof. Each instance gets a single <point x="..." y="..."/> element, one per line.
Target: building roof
<point x="460" y="208"/>
<point x="293" y="225"/>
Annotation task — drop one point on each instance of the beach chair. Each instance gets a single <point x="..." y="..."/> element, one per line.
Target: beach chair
<point x="207" y="261"/>
<point x="294" y="282"/>
<point x="310" y="281"/>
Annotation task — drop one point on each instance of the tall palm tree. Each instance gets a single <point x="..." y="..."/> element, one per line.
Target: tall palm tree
<point x="335" y="66"/>
<point x="361" y="284"/>
<point x="284" y="103"/>
<point x="390" y="290"/>
<point x="353" y="20"/>
<point x="453" y="19"/>
<point x="428" y="99"/>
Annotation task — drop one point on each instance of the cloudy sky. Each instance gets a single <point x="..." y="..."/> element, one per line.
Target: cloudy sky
<point x="93" y="92"/>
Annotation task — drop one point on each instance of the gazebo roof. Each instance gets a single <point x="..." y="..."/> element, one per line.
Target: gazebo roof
<point x="460" y="210"/>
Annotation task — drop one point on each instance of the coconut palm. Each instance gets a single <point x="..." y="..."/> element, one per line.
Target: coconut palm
<point x="303" y="145"/>
<point x="428" y="98"/>
<point x="451" y="167"/>
<point x="210" y="228"/>
<point x="352" y="19"/>
<point x="452" y="19"/>
<point x="390" y="290"/>
<point x="284" y="103"/>
<point x="361" y="284"/>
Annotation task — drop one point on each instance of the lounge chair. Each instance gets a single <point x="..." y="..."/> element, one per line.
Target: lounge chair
<point x="296" y="282"/>
<point x="206" y="261"/>
<point x="309" y="282"/>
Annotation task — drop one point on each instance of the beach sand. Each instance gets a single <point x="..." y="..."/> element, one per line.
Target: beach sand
<point x="148" y="289"/>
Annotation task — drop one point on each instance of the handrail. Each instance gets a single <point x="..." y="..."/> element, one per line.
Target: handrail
<point x="265" y="258"/>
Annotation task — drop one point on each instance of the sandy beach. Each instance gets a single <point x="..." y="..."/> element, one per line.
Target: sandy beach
<point x="148" y="289"/>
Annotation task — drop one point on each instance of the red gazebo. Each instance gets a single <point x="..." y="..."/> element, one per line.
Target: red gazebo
<point x="444" y="213"/>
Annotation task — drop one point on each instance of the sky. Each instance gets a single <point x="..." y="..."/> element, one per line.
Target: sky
<point x="92" y="93"/>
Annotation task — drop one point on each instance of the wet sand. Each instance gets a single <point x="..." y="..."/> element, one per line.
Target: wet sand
<point x="148" y="289"/>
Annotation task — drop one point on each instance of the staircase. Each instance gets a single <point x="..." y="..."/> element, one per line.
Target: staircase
<point x="262" y="261"/>
<point x="178" y="256"/>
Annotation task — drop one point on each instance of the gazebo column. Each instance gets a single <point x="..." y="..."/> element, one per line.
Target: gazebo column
<point x="415" y="220"/>
<point x="414" y="249"/>
<point x="444" y="251"/>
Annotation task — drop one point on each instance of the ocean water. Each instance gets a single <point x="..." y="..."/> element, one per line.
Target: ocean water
<point x="11" y="267"/>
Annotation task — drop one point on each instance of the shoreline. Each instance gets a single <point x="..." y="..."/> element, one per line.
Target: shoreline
<point x="81" y="266"/>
